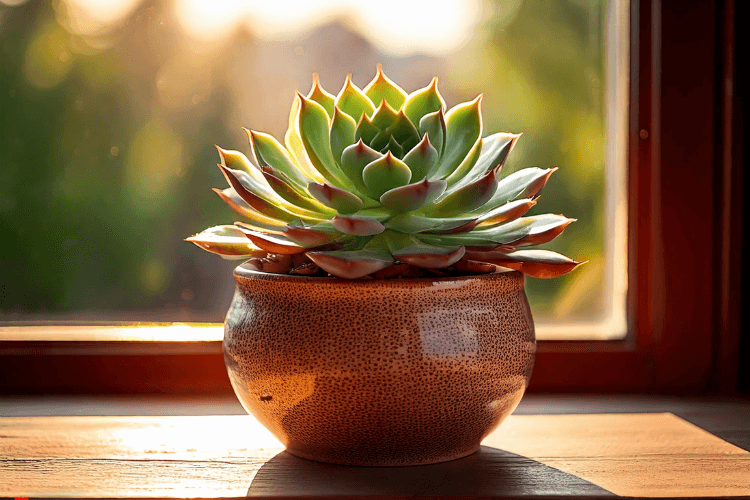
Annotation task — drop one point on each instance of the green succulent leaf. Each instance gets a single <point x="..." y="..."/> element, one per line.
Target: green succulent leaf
<point x="413" y="196"/>
<point x="255" y="190"/>
<point x="235" y="160"/>
<point x="384" y="116"/>
<point x="321" y="96"/>
<point x="231" y="198"/>
<point x="534" y="263"/>
<point x="504" y="213"/>
<point x="273" y="243"/>
<point x="466" y="165"/>
<point x="294" y="144"/>
<point x="383" y="88"/>
<point x="261" y="228"/>
<point x="336" y="198"/>
<point x="413" y="224"/>
<point x="354" y="159"/>
<point x="430" y="256"/>
<point x="285" y="191"/>
<point x="525" y="183"/>
<point x="393" y="147"/>
<point x="270" y="153"/>
<point x="351" y="264"/>
<point x="352" y="101"/>
<point x="381" y="140"/>
<point x="534" y="230"/>
<point x="377" y="213"/>
<point x="463" y="130"/>
<point x="466" y="199"/>
<point x="421" y="159"/>
<point x="252" y="180"/>
<point x="495" y="150"/>
<point x="366" y="130"/>
<point x="521" y="232"/>
<point x="423" y="101"/>
<point x="343" y="127"/>
<point x="314" y="129"/>
<point x="534" y="188"/>
<point x="393" y="241"/>
<point x="309" y="237"/>
<point x="433" y="124"/>
<point x="357" y="225"/>
<point x="471" y="240"/>
<point x="243" y="187"/>
<point x="227" y="241"/>
<point x="409" y="144"/>
<point x="385" y="174"/>
<point x="404" y="131"/>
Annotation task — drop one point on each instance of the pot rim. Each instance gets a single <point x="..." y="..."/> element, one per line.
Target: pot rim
<point x="242" y="272"/>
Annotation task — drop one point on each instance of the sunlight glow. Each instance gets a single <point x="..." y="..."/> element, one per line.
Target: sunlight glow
<point x="398" y="27"/>
<point x="89" y="17"/>
<point x="176" y="332"/>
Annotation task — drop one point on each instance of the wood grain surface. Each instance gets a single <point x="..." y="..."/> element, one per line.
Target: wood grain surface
<point x="529" y="456"/>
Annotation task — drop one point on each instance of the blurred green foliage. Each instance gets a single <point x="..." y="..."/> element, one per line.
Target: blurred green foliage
<point x="106" y="147"/>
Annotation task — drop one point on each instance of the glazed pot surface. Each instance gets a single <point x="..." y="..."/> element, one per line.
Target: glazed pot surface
<point x="379" y="372"/>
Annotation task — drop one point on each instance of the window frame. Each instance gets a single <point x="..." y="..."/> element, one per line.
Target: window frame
<point x="683" y="331"/>
<point x="683" y="194"/>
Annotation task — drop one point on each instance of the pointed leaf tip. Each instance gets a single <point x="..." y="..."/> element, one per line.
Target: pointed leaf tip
<point x="350" y="264"/>
<point x="273" y="243"/>
<point x="336" y="198"/>
<point x="343" y="129"/>
<point x="535" y="230"/>
<point x="321" y="96"/>
<point x="383" y="88"/>
<point x="413" y="196"/>
<point x="365" y="129"/>
<point x="234" y="159"/>
<point x="433" y="258"/>
<point x="534" y="263"/>
<point x="384" y="115"/>
<point x="352" y="101"/>
<point x="463" y="132"/>
<point x="385" y="174"/>
<point x="226" y="241"/>
<point x="467" y="198"/>
<point x="357" y="226"/>
<point x="423" y="101"/>
<point x="433" y="124"/>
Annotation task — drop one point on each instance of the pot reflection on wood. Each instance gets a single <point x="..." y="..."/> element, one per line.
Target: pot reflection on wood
<point x="379" y="372"/>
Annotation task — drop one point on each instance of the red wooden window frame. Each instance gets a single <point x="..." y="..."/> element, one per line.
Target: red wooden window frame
<point x="684" y="198"/>
<point x="684" y="212"/>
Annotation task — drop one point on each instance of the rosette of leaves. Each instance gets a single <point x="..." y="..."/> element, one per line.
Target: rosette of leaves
<point x="378" y="182"/>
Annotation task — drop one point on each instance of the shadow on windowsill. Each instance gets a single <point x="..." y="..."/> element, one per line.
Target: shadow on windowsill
<point x="487" y="473"/>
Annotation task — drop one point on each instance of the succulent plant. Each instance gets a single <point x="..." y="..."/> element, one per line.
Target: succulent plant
<point x="378" y="182"/>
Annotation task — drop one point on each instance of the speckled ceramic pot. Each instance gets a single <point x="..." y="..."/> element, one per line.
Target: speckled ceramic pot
<point x="379" y="372"/>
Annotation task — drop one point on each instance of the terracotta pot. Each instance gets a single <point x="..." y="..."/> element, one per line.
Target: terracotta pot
<point x="379" y="372"/>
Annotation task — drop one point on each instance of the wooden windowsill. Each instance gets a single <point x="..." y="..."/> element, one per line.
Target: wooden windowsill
<point x="588" y="449"/>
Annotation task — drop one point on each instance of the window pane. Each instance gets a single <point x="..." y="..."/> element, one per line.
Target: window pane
<point x="109" y="110"/>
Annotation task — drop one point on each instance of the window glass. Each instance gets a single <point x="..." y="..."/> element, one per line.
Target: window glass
<point x="109" y="110"/>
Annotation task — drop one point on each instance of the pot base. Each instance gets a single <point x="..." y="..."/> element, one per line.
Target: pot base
<point x="360" y="463"/>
